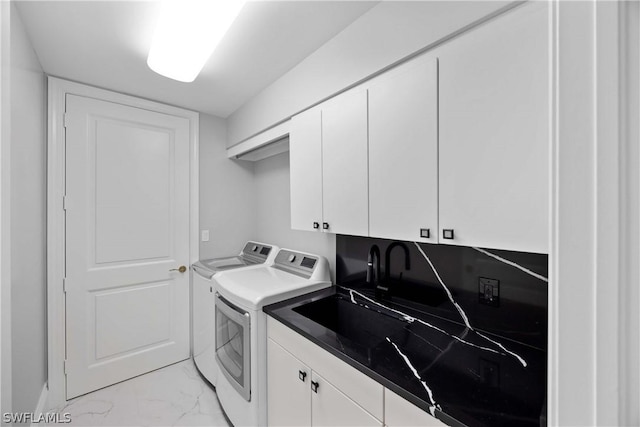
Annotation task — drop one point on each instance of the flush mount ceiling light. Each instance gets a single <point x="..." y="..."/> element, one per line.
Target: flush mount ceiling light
<point x="187" y="33"/>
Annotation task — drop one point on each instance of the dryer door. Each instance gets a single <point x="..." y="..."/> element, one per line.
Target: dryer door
<point x="233" y="342"/>
<point x="204" y="326"/>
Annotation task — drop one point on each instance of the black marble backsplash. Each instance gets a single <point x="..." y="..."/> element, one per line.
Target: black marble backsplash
<point x="507" y="300"/>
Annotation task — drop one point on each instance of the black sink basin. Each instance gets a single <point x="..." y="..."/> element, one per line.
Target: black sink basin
<point x="423" y="357"/>
<point x="360" y="325"/>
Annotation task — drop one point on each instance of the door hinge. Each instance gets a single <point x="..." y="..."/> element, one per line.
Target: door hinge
<point x="65" y="119"/>
<point x="64" y="285"/>
<point x="65" y="366"/>
<point x="64" y="203"/>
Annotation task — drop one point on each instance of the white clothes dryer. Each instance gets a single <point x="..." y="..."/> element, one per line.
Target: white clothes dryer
<point x="241" y="337"/>
<point x="253" y="254"/>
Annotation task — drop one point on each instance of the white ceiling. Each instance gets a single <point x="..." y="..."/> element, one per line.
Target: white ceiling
<point x="105" y="44"/>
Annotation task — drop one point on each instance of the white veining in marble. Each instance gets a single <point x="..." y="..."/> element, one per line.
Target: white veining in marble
<point x="353" y="300"/>
<point x="513" y="264"/>
<point x="172" y="396"/>
<point x="462" y="313"/>
<point x="455" y="304"/>
<point x="410" y="319"/>
<point x="520" y="359"/>
<point x="434" y="405"/>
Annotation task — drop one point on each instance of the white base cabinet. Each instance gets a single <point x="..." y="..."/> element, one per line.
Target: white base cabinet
<point x="308" y="386"/>
<point x="299" y="396"/>
<point x="288" y="388"/>
<point x="331" y="407"/>
<point x="399" y="412"/>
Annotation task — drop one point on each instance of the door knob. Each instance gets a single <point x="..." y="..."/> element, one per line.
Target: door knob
<point x="181" y="269"/>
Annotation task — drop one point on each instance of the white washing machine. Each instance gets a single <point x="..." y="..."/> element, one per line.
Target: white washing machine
<point x="253" y="255"/>
<point x="241" y="335"/>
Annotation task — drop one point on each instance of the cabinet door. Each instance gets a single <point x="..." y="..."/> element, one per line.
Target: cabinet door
<point x="494" y="133"/>
<point x="330" y="407"/>
<point x="344" y="164"/>
<point x="288" y="388"/>
<point x="399" y="412"/>
<point x="305" y="159"/>
<point x="403" y="152"/>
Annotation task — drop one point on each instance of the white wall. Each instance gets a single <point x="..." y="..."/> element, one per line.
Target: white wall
<point x="273" y="222"/>
<point x="227" y="208"/>
<point x="5" y="226"/>
<point x="28" y="219"/>
<point x="384" y="35"/>
<point x="242" y="200"/>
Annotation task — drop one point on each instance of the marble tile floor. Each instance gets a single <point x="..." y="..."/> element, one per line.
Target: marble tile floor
<point x="172" y="396"/>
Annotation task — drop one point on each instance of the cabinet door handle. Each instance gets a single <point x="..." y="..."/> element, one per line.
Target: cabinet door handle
<point x="325" y="225"/>
<point x="316" y="225"/>
<point x="302" y="375"/>
<point x="425" y="233"/>
<point x="314" y="386"/>
<point x="447" y="233"/>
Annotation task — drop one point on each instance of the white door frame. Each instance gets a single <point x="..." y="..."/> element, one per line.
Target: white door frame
<point x="58" y="89"/>
<point x="593" y="321"/>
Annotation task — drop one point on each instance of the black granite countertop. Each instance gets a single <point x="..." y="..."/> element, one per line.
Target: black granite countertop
<point x="463" y="376"/>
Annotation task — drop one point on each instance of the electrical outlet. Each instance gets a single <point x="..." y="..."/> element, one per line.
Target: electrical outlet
<point x="489" y="291"/>
<point x="204" y="235"/>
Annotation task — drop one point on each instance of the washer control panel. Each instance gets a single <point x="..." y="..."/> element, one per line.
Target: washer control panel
<point x="256" y="252"/>
<point x="296" y="262"/>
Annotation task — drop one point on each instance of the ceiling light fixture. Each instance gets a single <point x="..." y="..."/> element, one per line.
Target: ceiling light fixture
<point x="187" y="33"/>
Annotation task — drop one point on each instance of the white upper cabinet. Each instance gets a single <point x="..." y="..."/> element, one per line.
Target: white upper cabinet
<point x="494" y="133"/>
<point x="451" y="147"/>
<point x="344" y="164"/>
<point x="305" y="158"/>
<point x="403" y="152"/>
<point x="328" y="156"/>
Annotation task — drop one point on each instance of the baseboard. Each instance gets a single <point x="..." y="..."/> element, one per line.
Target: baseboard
<point x="42" y="403"/>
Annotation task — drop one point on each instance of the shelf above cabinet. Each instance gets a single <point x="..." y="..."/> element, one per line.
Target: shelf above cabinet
<point x="271" y="142"/>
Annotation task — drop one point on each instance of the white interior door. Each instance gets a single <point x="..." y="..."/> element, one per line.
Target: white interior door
<point x="127" y="227"/>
